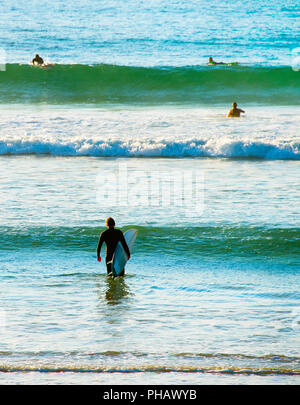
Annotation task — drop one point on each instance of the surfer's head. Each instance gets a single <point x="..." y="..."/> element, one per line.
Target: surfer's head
<point x="110" y="222"/>
<point x="234" y="105"/>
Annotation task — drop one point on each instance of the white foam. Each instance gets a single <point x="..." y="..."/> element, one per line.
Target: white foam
<point x="270" y="133"/>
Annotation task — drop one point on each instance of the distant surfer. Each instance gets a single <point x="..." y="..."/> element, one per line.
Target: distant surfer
<point x="213" y="62"/>
<point x="235" y="112"/>
<point x="111" y="237"/>
<point x="37" y="60"/>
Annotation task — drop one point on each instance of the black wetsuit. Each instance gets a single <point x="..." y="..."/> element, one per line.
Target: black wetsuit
<point x="37" y="61"/>
<point x="111" y="237"/>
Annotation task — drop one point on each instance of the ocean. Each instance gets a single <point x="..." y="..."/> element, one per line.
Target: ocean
<point x="130" y="122"/>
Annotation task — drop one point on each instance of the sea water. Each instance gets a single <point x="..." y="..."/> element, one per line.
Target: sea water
<point x="131" y="123"/>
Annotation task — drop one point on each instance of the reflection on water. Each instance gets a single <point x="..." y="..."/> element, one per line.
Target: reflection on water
<point x="113" y="309"/>
<point x="116" y="290"/>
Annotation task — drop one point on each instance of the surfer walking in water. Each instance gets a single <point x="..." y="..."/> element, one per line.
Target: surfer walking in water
<point x="235" y="112"/>
<point x="111" y="237"/>
<point x="37" y="60"/>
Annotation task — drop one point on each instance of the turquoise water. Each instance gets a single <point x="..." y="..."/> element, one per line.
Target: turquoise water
<point x="130" y="122"/>
<point x="113" y="84"/>
<point x="209" y="298"/>
<point x="148" y="33"/>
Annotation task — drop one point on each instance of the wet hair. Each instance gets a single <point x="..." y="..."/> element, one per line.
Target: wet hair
<point x="234" y="104"/>
<point x="110" y="222"/>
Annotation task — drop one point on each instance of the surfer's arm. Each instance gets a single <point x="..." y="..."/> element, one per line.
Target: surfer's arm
<point x="240" y="110"/>
<point x="125" y="246"/>
<point x="100" y="243"/>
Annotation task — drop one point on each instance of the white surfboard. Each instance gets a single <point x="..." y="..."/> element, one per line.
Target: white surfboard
<point x="120" y="257"/>
<point x="43" y="66"/>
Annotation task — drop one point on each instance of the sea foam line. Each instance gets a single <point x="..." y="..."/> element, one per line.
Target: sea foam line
<point x="149" y="369"/>
<point x="217" y="148"/>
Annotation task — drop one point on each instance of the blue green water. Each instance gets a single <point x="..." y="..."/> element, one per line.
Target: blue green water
<point x="131" y="123"/>
<point x="151" y="32"/>
<point x="113" y="84"/>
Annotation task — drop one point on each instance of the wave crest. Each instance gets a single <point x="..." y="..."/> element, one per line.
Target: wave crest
<point x="101" y="84"/>
<point x="223" y="147"/>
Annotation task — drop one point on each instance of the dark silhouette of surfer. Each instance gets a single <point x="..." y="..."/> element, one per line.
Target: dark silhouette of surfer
<point x="37" y="60"/>
<point x="111" y="237"/>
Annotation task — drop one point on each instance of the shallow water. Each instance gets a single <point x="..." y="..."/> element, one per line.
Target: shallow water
<point x="213" y="294"/>
<point x="131" y="122"/>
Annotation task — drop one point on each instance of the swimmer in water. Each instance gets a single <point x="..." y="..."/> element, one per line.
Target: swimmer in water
<point x="235" y="112"/>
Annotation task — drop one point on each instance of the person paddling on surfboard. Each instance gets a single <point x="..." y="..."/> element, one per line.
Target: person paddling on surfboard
<point x="212" y="62"/>
<point x="111" y="237"/>
<point x="37" y="60"/>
